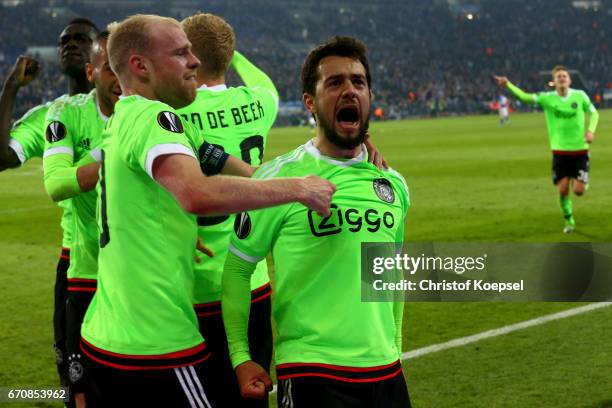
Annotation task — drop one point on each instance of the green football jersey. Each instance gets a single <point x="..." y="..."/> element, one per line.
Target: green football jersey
<point x="238" y="121"/>
<point x="317" y="306"/>
<point x="74" y="127"/>
<point x="565" y="118"/>
<point x="28" y="141"/>
<point x="144" y="301"/>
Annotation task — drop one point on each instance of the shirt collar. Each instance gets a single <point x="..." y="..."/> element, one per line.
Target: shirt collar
<point x="214" y="88"/>
<point x="312" y="150"/>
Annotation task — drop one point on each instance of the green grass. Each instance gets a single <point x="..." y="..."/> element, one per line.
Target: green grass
<point x="469" y="180"/>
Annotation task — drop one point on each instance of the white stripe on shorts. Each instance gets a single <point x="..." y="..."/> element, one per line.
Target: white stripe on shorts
<point x="193" y="404"/>
<point x="200" y="389"/>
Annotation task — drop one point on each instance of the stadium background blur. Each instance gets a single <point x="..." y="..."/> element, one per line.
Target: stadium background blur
<point x="470" y="180"/>
<point x="429" y="58"/>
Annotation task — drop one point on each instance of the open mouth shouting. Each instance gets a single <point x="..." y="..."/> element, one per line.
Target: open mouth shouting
<point x="348" y="118"/>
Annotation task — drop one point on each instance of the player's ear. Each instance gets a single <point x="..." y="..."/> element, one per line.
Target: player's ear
<point x="138" y="65"/>
<point x="309" y="103"/>
<point x="89" y="71"/>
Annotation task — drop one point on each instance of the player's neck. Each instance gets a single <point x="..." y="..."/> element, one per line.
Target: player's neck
<point x="329" y="149"/>
<point x="562" y="92"/>
<point x="105" y="108"/>
<point x="209" y="80"/>
<point x="79" y="84"/>
<point x="138" y="89"/>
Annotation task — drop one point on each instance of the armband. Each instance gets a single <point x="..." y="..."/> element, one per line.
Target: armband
<point x="212" y="159"/>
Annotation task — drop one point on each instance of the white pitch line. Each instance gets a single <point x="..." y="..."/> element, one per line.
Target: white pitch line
<point x="462" y="341"/>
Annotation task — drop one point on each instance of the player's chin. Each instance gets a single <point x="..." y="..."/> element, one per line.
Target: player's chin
<point x="348" y="130"/>
<point x="190" y="81"/>
<point x="184" y="99"/>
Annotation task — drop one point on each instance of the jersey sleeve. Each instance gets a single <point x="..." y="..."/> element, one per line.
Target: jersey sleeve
<point x="404" y="195"/>
<point x="236" y="301"/>
<point x="522" y="95"/>
<point x="159" y="132"/>
<point x="27" y="140"/>
<point x="259" y="83"/>
<point x="398" y="306"/>
<point x="60" y="130"/>
<point x="254" y="77"/>
<point x="60" y="173"/>
<point x="587" y="105"/>
<point x="255" y="231"/>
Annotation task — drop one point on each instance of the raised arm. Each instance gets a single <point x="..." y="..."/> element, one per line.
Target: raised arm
<point x="251" y="75"/>
<point x="22" y="73"/>
<point x="221" y="195"/>
<point x="521" y="95"/>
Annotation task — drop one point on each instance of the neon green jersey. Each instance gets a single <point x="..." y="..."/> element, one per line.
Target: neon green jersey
<point x="565" y="118"/>
<point x="74" y="128"/>
<point x="317" y="305"/>
<point x="28" y="141"/>
<point x="28" y="133"/>
<point x="144" y="301"/>
<point x="237" y="120"/>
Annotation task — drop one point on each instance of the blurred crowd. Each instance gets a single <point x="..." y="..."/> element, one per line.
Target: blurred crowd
<point x="427" y="58"/>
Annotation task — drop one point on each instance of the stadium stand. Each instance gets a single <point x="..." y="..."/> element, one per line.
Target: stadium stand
<point x="428" y="58"/>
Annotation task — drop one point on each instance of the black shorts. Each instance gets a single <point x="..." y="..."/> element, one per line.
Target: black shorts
<point x="321" y="392"/>
<point x="76" y="305"/>
<point x="260" y="345"/>
<point x="59" y="316"/>
<point x="191" y="386"/>
<point x="574" y="166"/>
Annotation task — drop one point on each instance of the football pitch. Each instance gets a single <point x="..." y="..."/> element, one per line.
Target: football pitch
<point x="470" y="181"/>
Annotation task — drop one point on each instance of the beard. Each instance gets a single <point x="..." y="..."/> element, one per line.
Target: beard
<point x="344" y="142"/>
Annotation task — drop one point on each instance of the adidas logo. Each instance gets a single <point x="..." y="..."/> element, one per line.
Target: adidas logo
<point x="85" y="144"/>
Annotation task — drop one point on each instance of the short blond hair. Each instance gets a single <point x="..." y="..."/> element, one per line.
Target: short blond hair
<point x="213" y="41"/>
<point x="558" y="68"/>
<point x="132" y="35"/>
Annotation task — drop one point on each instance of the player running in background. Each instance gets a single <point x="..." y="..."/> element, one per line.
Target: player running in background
<point x="74" y="134"/>
<point x="140" y="331"/>
<point x="565" y="110"/>
<point x="236" y="120"/>
<point x="332" y="349"/>
<point x="27" y="140"/>
<point x="503" y="109"/>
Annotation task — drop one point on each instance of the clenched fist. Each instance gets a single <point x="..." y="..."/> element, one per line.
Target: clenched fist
<point x="24" y="71"/>
<point x="253" y="380"/>
<point x="316" y="193"/>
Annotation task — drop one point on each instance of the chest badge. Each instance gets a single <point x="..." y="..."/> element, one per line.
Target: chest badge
<point x="384" y="191"/>
<point x="574" y="105"/>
